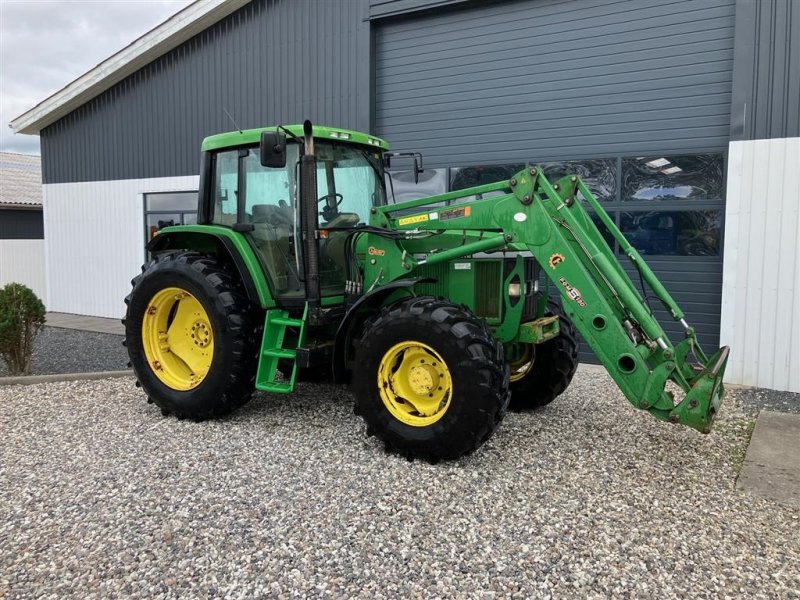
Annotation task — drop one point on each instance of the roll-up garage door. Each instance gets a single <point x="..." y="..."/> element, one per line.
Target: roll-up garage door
<point x="635" y="96"/>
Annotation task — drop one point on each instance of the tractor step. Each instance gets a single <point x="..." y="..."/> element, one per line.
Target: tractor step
<point x="277" y="387"/>
<point x="288" y="322"/>
<point x="280" y="353"/>
<point x="283" y="335"/>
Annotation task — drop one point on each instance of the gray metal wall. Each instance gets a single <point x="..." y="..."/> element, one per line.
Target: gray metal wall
<point x="273" y="61"/>
<point x="16" y="224"/>
<point x="766" y="82"/>
<point x="386" y="8"/>
<point x="548" y="80"/>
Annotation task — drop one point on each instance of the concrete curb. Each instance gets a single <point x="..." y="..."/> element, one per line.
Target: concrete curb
<point x="32" y="379"/>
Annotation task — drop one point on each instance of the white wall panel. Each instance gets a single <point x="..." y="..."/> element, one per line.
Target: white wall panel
<point x="761" y="273"/>
<point x="22" y="261"/>
<point x="94" y="241"/>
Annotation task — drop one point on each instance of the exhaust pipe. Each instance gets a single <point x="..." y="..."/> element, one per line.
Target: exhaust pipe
<point x="310" y="223"/>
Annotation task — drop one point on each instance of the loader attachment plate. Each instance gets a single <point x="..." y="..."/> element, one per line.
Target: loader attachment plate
<point x="702" y="402"/>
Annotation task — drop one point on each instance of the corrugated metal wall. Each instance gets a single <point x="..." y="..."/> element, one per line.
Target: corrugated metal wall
<point x="506" y="82"/>
<point x="94" y="236"/>
<point x="385" y="8"/>
<point x="273" y="61"/>
<point x="22" y="261"/>
<point x="517" y="82"/>
<point x="760" y="308"/>
<point x="766" y="83"/>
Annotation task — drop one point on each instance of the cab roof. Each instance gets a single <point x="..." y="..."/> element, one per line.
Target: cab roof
<point x="320" y="132"/>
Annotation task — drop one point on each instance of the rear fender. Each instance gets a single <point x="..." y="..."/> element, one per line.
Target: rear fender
<point x="209" y="240"/>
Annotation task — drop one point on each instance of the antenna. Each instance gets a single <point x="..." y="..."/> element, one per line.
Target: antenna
<point x="235" y="124"/>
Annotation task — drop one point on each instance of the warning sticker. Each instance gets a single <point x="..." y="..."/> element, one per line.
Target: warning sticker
<point x="455" y="213"/>
<point x="414" y="219"/>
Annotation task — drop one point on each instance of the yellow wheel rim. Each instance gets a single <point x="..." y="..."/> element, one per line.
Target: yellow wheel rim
<point x="521" y="366"/>
<point x="415" y="383"/>
<point x="178" y="339"/>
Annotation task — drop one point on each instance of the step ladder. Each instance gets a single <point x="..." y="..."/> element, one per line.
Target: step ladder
<point x="283" y="335"/>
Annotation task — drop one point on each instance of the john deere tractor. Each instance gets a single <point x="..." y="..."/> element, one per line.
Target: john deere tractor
<point x="437" y="312"/>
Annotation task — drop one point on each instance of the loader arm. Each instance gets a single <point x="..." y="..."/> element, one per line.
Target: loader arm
<point x="550" y="221"/>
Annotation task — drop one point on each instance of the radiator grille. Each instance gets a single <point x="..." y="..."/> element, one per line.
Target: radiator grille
<point x="487" y="288"/>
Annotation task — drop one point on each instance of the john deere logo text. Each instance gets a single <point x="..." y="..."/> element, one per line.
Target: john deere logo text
<point x="555" y="260"/>
<point x="373" y="251"/>
<point x="572" y="292"/>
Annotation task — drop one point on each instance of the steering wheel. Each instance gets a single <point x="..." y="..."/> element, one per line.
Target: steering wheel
<point x="338" y="198"/>
<point x="332" y="199"/>
<point x="330" y="209"/>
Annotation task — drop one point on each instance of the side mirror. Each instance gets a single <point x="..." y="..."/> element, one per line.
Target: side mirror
<point x="273" y="149"/>
<point x="418" y="168"/>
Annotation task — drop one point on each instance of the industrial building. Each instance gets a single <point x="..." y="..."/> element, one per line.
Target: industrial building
<point x="21" y="224"/>
<point x="683" y="116"/>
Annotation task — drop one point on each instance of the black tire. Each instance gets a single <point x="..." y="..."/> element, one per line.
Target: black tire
<point x="475" y="360"/>
<point x="554" y="365"/>
<point x="230" y="380"/>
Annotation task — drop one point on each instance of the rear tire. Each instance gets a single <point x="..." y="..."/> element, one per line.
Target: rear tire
<point x="430" y="380"/>
<point x="554" y="365"/>
<point x="163" y="343"/>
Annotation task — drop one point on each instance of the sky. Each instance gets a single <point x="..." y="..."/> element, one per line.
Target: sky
<point x="46" y="44"/>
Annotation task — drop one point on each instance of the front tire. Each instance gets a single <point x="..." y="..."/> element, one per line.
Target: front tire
<point x="543" y="371"/>
<point x="430" y="380"/>
<point x="192" y="336"/>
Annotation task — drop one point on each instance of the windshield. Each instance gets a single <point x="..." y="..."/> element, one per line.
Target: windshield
<point x="349" y="184"/>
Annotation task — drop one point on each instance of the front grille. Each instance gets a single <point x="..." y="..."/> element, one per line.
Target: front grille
<point x="487" y="288"/>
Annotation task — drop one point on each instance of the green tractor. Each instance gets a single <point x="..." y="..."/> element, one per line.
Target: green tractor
<point x="437" y="312"/>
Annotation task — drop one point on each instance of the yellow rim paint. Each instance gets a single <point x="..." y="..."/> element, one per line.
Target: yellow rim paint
<point x="178" y="339"/>
<point x="415" y="383"/>
<point x="522" y="366"/>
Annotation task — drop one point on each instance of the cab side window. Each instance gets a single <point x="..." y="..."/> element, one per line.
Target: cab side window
<point x="226" y="187"/>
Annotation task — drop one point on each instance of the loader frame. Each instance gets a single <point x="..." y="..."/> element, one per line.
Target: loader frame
<point x="529" y="213"/>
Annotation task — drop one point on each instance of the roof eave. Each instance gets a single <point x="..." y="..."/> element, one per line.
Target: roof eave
<point x="19" y="206"/>
<point x="169" y="35"/>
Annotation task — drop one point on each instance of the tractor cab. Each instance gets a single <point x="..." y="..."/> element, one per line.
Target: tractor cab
<point x="253" y="185"/>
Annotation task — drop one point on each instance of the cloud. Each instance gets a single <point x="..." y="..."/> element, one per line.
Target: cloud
<point x="45" y="44"/>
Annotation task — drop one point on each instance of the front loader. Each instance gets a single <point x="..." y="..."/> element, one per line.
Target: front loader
<point x="437" y="312"/>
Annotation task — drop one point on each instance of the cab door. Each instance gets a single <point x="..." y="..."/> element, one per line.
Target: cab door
<point x="349" y="184"/>
<point x="262" y="203"/>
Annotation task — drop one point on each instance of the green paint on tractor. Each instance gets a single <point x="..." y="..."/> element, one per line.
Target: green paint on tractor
<point x="435" y="311"/>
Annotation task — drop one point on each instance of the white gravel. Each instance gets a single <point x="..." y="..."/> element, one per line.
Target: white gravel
<point x="101" y="497"/>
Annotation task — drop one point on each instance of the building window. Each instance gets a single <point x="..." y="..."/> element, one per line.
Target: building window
<point x="660" y="178"/>
<point x="665" y="205"/>
<point x="167" y="209"/>
<point x="671" y="232"/>
<point x="400" y="187"/>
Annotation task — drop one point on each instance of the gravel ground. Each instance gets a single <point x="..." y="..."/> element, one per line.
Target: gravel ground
<point x="101" y="497"/>
<point x="755" y="399"/>
<point x="59" y="350"/>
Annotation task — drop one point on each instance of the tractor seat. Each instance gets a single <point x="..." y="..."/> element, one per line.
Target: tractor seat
<point x="275" y="215"/>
